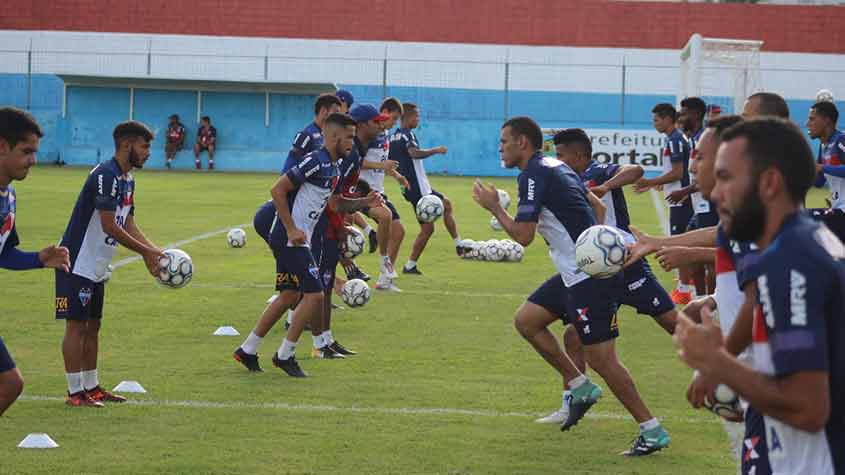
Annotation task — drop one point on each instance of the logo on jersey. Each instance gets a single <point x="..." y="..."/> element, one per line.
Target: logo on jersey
<point x="6" y="227"/>
<point x="749" y="449"/>
<point x="582" y="314"/>
<point x="129" y="198"/>
<point x="636" y="284"/>
<point x="530" y="189"/>
<point x="85" y="294"/>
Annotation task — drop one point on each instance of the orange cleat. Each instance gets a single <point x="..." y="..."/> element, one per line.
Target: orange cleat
<point x="100" y="395"/>
<point x="81" y="399"/>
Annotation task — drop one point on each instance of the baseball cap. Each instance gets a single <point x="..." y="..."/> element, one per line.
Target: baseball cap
<point x="366" y="113"/>
<point x="345" y="96"/>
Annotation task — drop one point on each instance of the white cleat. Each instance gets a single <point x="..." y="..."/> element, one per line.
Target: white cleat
<point x="387" y="285"/>
<point x="556" y="417"/>
<point x="389" y="271"/>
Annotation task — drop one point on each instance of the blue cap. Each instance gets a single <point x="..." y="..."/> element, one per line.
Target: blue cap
<point x="366" y="113"/>
<point x="345" y="96"/>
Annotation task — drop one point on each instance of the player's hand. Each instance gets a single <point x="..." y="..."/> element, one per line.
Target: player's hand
<point x="486" y="196"/>
<point x="441" y="150"/>
<point x="296" y="237"/>
<point x="403" y="182"/>
<point x="693" y="309"/>
<point x="599" y="190"/>
<point x="374" y="200"/>
<point x="642" y="185"/>
<point x="644" y="246"/>
<point x="673" y="257"/>
<point x="151" y="260"/>
<point x="698" y="344"/>
<point x="391" y="164"/>
<point x="677" y="196"/>
<point x="700" y="387"/>
<point x="55" y="257"/>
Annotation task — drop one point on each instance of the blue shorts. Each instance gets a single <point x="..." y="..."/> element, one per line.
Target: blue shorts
<point x="78" y="298"/>
<point x="295" y="266"/>
<point x="591" y="306"/>
<point x="551" y="295"/>
<point x="703" y="220"/>
<point x="643" y="292"/>
<point x="327" y="255"/>
<point x="679" y="217"/>
<point x="6" y="361"/>
<point x="414" y="196"/>
<point x="755" y="451"/>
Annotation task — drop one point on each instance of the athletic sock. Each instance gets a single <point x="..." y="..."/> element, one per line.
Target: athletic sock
<point x="90" y="379"/>
<point x="577" y="382"/>
<point x="327" y="337"/>
<point x="287" y="350"/>
<point x="319" y="342"/>
<point x="74" y="382"/>
<point x="650" y="424"/>
<point x="250" y="345"/>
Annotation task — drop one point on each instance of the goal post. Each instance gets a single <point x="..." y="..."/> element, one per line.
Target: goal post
<point x="721" y="71"/>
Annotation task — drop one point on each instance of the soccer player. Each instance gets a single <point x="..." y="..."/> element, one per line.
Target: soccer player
<point x="405" y="149"/>
<point x="796" y="383"/>
<point x="346" y="100"/>
<point x="286" y="223"/>
<point x="206" y="140"/>
<point x="375" y="166"/>
<point x="643" y="292"/>
<point x="103" y="217"/>
<point x="553" y="201"/>
<point x="675" y="176"/>
<point x="765" y="104"/>
<point x="19" y="140"/>
<point x="175" y="139"/>
<point x="830" y="164"/>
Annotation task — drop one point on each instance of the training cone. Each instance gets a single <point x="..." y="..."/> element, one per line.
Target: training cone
<point x="129" y="387"/>
<point x="226" y="331"/>
<point x="38" y="441"/>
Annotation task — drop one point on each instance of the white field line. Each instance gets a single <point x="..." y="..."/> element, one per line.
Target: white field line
<point x="410" y="411"/>
<point x="199" y="237"/>
<point x="661" y="211"/>
<point x="253" y="285"/>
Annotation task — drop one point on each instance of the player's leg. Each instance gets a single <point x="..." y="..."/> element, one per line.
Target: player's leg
<point x="679" y="218"/>
<point x="426" y="230"/>
<point x="370" y="233"/>
<point x="197" y="151"/>
<point x="90" y="352"/>
<point x="532" y="322"/>
<point x="73" y="305"/>
<point x="324" y="342"/>
<point x="169" y="153"/>
<point x="643" y="292"/>
<point x="449" y="222"/>
<point x="574" y="348"/>
<point x="11" y="381"/>
<point x="210" y="149"/>
<point x="397" y="235"/>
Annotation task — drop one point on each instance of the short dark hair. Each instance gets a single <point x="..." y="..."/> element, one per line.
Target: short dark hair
<point x="131" y="129"/>
<point x="776" y="142"/>
<point x="771" y="104"/>
<point x="391" y="104"/>
<point x="342" y="120"/>
<point x="16" y="125"/>
<point x="826" y="109"/>
<point x="206" y="118"/>
<point x="526" y="126"/>
<point x="721" y="124"/>
<point x="664" y="109"/>
<point x="575" y="137"/>
<point x="325" y="101"/>
<point x="695" y="104"/>
<point x="408" y="108"/>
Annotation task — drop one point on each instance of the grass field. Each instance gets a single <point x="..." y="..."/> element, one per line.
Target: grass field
<point x="442" y="384"/>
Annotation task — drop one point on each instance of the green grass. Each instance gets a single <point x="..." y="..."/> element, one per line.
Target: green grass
<point x="447" y="342"/>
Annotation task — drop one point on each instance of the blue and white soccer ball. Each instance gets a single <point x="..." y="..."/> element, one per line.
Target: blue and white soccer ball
<point x="725" y="403"/>
<point x="513" y="250"/>
<point x="429" y="208"/>
<point x="236" y="237"/>
<point x="504" y="198"/>
<point x="600" y="251"/>
<point x="355" y="293"/>
<point x="353" y="245"/>
<point x="825" y="95"/>
<point x="175" y="269"/>
<point x="494" y="251"/>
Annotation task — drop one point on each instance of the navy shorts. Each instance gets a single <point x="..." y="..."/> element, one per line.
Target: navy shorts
<point x="551" y="295"/>
<point x="703" y="220"/>
<point x="755" y="451"/>
<point x="295" y="266"/>
<point x="834" y="219"/>
<point x="78" y="298"/>
<point x="414" y="196"/>
<point x="591" y="306"/>
<point x="679" y="217"/>
<point x="327" y="258"/>
<point x="6" y="361"/>
<point x="394" y="214"/>
<point x="643" y="292"/>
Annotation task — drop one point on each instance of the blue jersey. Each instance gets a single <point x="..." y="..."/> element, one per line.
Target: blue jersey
<point x="107" y="188"/>
<point x="676" y="150"/>
<point x="699" y="204"/>
<point x="832" y="157"/>
<point x="799" y="327"/>
<point x="617" y="209"/>
<point x="310" y="139"/>
<point x="734" y="269"/>
<point x="552" y="195"/>
<point x="411" y="168"/>
<point x="8" y="233"/>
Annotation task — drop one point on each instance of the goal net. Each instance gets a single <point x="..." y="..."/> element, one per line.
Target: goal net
<point x="720" y="71"/>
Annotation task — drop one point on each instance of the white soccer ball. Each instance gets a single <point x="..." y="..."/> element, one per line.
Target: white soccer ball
<point x="108" y="273"/>
<point x="353" y="245"/>
<point x="175" y="269"/>
<point x="355" y="293"/>
<point x="429" y="208"/>
<point x="494" y="251"/>
<point x="824" y="95"/>
<point x="725" y="404"/>
<point x="600" y="251"/>
<point x="495" y="224"/>
<point x="504" y="198"/>
<point x="236" y="237"/>
<point x="514" y="251"/>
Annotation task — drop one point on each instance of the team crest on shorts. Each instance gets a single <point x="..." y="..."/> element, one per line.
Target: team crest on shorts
<point x="85" y="295"/>
<point x="315" y="272"/>
<point x="327" y="278"/>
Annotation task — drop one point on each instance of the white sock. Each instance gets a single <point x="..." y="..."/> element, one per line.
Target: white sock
<point x="368" y="230"/>
<point x="385" y="260"/>
<point x="650" y="424"/>
<point x="566" y="395"/>
<point x="74" y="382"/>
<point x="250" y="345"/>
<point x="458" y="240"/>
<point x="290" y="316"/>
<point x="318" y="341"/>
<point x="410" y="264"/>
<point x="90" y="379"/>
<point x="327" y="337"/>
<point x="577" y="382"/>
<point x="287" y="350"/>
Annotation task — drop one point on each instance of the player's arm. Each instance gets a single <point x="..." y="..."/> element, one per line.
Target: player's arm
<point x="56" y="257"/>
<point x="134" y="231"/>
<point x="151" y="254"/>
<point x="673" y="175"/>
<point x="673" y="257"/>
<point x="523" y="226"/>
<point x="342" y="204"/>
<point x="625" y="175"/>
<point x="420" y="153"/>
<point x="279" y="192"/>
<point x="386" y="165"/>
<point x="739" y="337"/>
<point x="647" y="244"/>
<point x="598" y="206"/>
<point x="399" y="178"/>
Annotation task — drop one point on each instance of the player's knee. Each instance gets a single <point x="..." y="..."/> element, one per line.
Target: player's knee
<point x="380" y="214"/>
<point x="524" y="325"/>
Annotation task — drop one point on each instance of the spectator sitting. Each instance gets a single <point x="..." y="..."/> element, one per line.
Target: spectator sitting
<point x="206" y="140"/>
<point x="175" y="139"/>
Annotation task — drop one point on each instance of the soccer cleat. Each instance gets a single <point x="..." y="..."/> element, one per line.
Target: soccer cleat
<point x="340" y="349"/>
<point x="461" y="250"/>
<point x="388" y="287"/>
<point x="326" y="353"/>
<point x="198" y="164"/>
<point x="558" y="416"/>
<point x="211" y="165"/>
<point x="289" y="366"/>
<point x="389" y="270"/>
<point x="680" y="297"/>
<point x="582" y="399"/>
<point x="356" y="273"/>
<point x="373" y="241"/>
<point x="101" y="395"/>
<point x="81" y="399"/>
<point x="413" y="270"/>
<point x="168" y="165"/>
<point x="648" y="442"/>
<point x="249" y="361"/>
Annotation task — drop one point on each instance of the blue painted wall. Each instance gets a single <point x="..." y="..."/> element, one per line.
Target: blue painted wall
<point x="466" y="121"/>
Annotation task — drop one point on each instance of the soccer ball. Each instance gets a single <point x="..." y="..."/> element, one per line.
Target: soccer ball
<point x="175" y="269"/>
<point x="429" y="208"/>
<point x="725" y="404"/>
<point x="353" y="245"/>
<point x="355" y="293"/>
<point x="494" y="251"/>
<point x="236" y="237"/>
<point x="108" y="273"/>
<point x="495" y="224"/>
<point x="513" y="251"/>
<point x="600" y="251"/>
<point x="504" y="198"/>
<point x="824" y="95"/>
